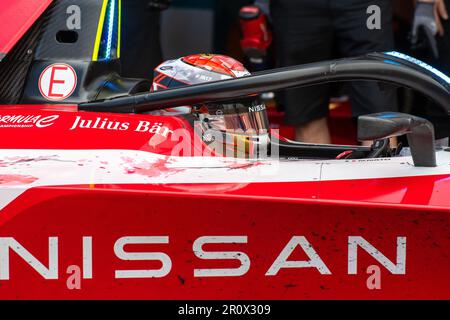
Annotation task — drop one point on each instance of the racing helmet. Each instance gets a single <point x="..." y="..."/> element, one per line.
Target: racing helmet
<point x="233" y="128"/>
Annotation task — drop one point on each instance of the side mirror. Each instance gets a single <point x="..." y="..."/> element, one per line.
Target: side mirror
<point x="419" y="131"/>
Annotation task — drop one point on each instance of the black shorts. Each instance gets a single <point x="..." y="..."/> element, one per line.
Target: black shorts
<point x="425" y="107"/>
<point x="314" y="30"/>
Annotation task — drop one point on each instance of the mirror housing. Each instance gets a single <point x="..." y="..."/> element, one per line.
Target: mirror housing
<point x="419" y="132"/>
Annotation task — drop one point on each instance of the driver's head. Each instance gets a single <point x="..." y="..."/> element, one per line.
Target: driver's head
<point x="239" y="126"/>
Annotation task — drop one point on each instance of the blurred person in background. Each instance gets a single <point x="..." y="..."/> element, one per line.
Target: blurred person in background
<point x="431" y="18"/>
<point x="431" y="43"/>
<point x="308" y="31"/>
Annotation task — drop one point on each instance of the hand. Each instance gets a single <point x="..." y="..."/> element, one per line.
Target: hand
<point x="440" y="12"/>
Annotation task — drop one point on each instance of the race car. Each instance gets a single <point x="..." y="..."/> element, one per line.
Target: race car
<point x="115" y="188"/>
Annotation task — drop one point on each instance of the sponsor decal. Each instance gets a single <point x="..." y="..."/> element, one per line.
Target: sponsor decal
<point x="27" y="121"/>
<point x="257" y="108"/>
<point x="101" y="123"/>
<point x="57" y="82"/>
<point x="242" y="260"/>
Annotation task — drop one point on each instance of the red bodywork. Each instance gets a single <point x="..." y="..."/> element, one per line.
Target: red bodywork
<point x="390" y="201"/>
<point x="16" y="17"/>
<point x="80" y="205"/>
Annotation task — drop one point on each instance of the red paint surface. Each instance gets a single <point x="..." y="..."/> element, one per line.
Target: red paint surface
<point x="60" y="136"/>
<point x="269" y="225"/>
<point x="16" y="17"/>
<point x="418" y="193"/>
<point x="420" y="190"/>
<point x="325" y="212"/>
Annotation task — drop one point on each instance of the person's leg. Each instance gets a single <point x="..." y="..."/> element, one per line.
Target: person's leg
<point x="355" y="38"/>
<point x="314" y="131"/>
<point x="303" y="34"/>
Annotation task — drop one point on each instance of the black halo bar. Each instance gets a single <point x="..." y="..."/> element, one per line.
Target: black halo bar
<point x="372" y="67"/>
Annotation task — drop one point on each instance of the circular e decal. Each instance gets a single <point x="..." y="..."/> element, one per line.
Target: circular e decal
<point x="57" y="82"/>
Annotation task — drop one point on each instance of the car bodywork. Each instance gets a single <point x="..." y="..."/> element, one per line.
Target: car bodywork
<point x="95" y="205"/>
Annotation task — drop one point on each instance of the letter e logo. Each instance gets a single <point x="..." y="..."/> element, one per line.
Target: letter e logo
<point x="57" y="82"/>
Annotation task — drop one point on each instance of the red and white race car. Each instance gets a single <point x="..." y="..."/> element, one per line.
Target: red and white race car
<point x="102" y="196"/>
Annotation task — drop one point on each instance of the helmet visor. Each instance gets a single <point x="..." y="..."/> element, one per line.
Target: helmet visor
<point x="238" y="129"/>
<point x="245" y="117"/>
